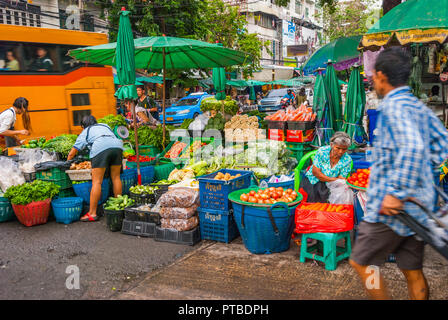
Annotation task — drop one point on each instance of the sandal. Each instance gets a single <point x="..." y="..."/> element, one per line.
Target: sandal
<point x="89" y="218"/>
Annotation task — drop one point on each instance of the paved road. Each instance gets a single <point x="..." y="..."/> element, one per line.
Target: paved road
<point x="33" y="260"/>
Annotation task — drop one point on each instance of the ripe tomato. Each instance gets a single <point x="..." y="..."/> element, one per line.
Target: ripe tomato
<point x="260" y="191"/>
<point x="289" y="191"/>
<point x="257" y="196"/>
<point x="244" y="197"/>
<point x="267" y="201"/>
<point x="252" y="200"/>
<point x="274" y="195"/>
<point x="280" y="190"/>
<point x="260" y="201"/>
<point x="252" y="193"/>
<point x="271" y="189"/>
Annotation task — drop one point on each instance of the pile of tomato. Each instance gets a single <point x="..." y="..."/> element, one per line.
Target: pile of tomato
<point x="360" y="178"/>
<point x="269" y="196"/>
<point x="141" y="159"/>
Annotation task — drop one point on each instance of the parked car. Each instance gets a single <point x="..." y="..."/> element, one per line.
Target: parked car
<point x="188" y="107"/>
<point x="272" y="102"/>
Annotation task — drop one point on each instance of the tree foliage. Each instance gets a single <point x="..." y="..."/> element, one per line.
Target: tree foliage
<point x="346" y="19"/>
<point x="207" y="20"/>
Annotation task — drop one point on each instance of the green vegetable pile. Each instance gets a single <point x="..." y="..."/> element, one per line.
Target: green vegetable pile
<point x="78" y="182"/>
<point x="230" y="105"/>
<point x="143" y="189"/>
<point x="260" y="117"/>
<point x="38" y="143"/>
<point x="26" y="193"/>
<point x="118" y="203"/>
<point x="151" y="137"/>
<point x="165" y="182"/>
<point x="186" y="124"/>
<point x="217" y="122"/>
<point x="113" y="121"/>
<point x="62" y="144"/>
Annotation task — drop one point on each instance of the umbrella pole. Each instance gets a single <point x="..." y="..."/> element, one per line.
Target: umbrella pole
<point x="139" y="177"/>
<point x="163" y="100"/>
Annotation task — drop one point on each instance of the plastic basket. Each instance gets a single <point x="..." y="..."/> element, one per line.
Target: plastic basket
<point x="52" y="174"/>
<point x="128" y="179"/>
<point x="163" y="171"/>
<point x="29" y="177"/>
<point x="133" y="214"/>
<point x="149" y="151"/>
<point x="139" y="228"/>
<point x="190" y="237"/>
<point x="141" y="199"/>
<point x="147" y="173"/>
<point x="34" y="213"/>
<point x="82" y="190"/>
<point x="217" y="225"/>
<point x="214" y="193"/>
<point x="265" y="230"/>
<point x="67" y="210"/>
<point x="133" y="164"/>
<point x="79" y="175"/>
<point x="6" y="211"/>
<point x="64" y="183"/>
<point x="114" y="219"/>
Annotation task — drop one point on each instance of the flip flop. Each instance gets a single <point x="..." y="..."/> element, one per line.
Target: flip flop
<point x="90" y="218"/>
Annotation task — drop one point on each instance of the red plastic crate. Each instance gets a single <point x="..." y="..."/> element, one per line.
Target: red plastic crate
<point x="33" y="213"/>
<point x="311" y="221"/>
<point x="300" y="135"/>
<point x="276" y="134"/>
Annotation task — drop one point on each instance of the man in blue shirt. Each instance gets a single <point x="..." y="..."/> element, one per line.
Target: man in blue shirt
<point x="411" y="143"/>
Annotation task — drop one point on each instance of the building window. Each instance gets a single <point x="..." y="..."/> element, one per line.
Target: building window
<point x="88" y="24"/>
<point x="299" y="6"/>
<point x="78" y="115"/>
<point x="265" y="21"/>
<point x="307" y="12"/>
<point x="80" y="99"/>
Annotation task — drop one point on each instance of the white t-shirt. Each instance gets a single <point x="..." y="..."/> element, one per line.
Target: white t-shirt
<point x="7" y="119"/>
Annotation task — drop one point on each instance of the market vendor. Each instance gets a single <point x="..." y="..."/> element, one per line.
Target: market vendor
<point x="329" y="164"/>
<point x="147" y="102"/>
<point x="8" y="135"/>
<point x="106" y="154"/>
<point x="143" y="116"/>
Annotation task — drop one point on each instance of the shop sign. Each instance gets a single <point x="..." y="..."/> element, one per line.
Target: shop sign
<point x="419" y="36"/>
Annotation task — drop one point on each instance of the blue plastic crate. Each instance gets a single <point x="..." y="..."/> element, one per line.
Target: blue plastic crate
<point x="148" y="174"/>
<point x="128" y="179"/>
<point x="256" y="228"/>
<point x="82" y="190"/>
<point x="217" y="225"/>
<point x="214" y="193"/>
<point x="67" y="210"/>
<point x="359" y="164"/>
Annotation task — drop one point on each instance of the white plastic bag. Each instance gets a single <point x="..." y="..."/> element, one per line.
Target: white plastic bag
<point x="10" y="174"/>
<point x="340" y="192"/>
<point x="199" y="123"/>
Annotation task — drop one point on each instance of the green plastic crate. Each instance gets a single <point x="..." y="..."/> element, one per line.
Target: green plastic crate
<point x="63" y="183"/>
<point x="162" y="171"/>
<point x="52" y="174"/>
<point x="298" y="149"/>
<point x="66" y="193"/>
<point x="133" y="165"/>
<point x="168" y="147"/>
<point x="149" y="151"/>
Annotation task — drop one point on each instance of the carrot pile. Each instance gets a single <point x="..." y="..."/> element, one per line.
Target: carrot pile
<point x="300" y="114"/>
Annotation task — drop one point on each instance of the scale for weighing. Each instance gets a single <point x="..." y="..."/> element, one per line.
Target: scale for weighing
<point x="121" y="132"/>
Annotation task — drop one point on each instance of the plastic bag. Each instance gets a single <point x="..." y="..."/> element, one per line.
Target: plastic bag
<point x="10" y="174"/>
<point x="282" y="178"/>
<point x="199" y="123"/>
<point x="180" y="224"/>
<point x="180" y="197"/>
<point x="178" y="213"/>
<point x="311" y="221"/>
<point x="340" y="192"/>
<point x="63" y="165"/>
<point x="31" y="157"/>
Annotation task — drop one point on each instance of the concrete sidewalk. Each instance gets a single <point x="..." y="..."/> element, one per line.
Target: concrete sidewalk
<point x="228" y="271"/>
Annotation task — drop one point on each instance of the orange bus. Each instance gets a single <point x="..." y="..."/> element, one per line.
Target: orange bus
<point x="61" y="96"/>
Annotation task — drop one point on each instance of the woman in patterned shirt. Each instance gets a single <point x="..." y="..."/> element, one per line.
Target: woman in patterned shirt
<point x="329" y="164"/>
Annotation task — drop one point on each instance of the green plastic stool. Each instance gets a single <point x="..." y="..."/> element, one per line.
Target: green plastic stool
<point x="330" y="248"/>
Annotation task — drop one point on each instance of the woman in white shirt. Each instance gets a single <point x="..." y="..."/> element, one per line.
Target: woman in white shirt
<point x="8" y="135"/>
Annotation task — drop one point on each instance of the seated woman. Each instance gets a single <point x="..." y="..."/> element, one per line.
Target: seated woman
<point x="329" y="164"/>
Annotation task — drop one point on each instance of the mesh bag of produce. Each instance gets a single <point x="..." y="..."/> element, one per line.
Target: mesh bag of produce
<point x="180" y="224"/>
<point x="178" y="213"/>
<point x="180" y="197"/>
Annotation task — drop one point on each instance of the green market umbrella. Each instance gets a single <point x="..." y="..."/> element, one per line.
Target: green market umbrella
<point x="154" y="79"/>
<point x="343" y="52"/>
<point x="413" y="21"/>
<point x="125" y="64"/>
<point x="165" y="53"/>
<point x="354" y="108"/>
<point x="334" y="96"/>
<point x="294" y="83"/>
<point x="245" y="83"/>
<point x="117" y="81"/>
<point x="279" y="82"/>
<point x="219" y="82"/>
<point x="321" y="106"/>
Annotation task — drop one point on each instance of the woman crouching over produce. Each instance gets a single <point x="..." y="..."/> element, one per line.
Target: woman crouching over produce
<point x="329" y="164"/>
<point x="106" y="154"/>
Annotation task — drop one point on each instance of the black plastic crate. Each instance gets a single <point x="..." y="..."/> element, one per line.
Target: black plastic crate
<point x="114" y="219"/>
<point x="301" y="125"/>
<point x="190" y="237"/>
<point x="139" y="228"/>
<point x="133" y="214"/>
<point x="141" y="199"/>
<point x="276" y="124"/>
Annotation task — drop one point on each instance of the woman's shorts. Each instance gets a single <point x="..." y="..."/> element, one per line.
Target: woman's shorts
<point x="107" y="158"/>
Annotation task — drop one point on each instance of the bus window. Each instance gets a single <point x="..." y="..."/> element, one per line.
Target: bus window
<point x="78" y="115"/>
<point x="68" y="63"/>
<point x="80" y="99"/>
<point x="41" y="58"/>
<point x="9" y="58"/>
